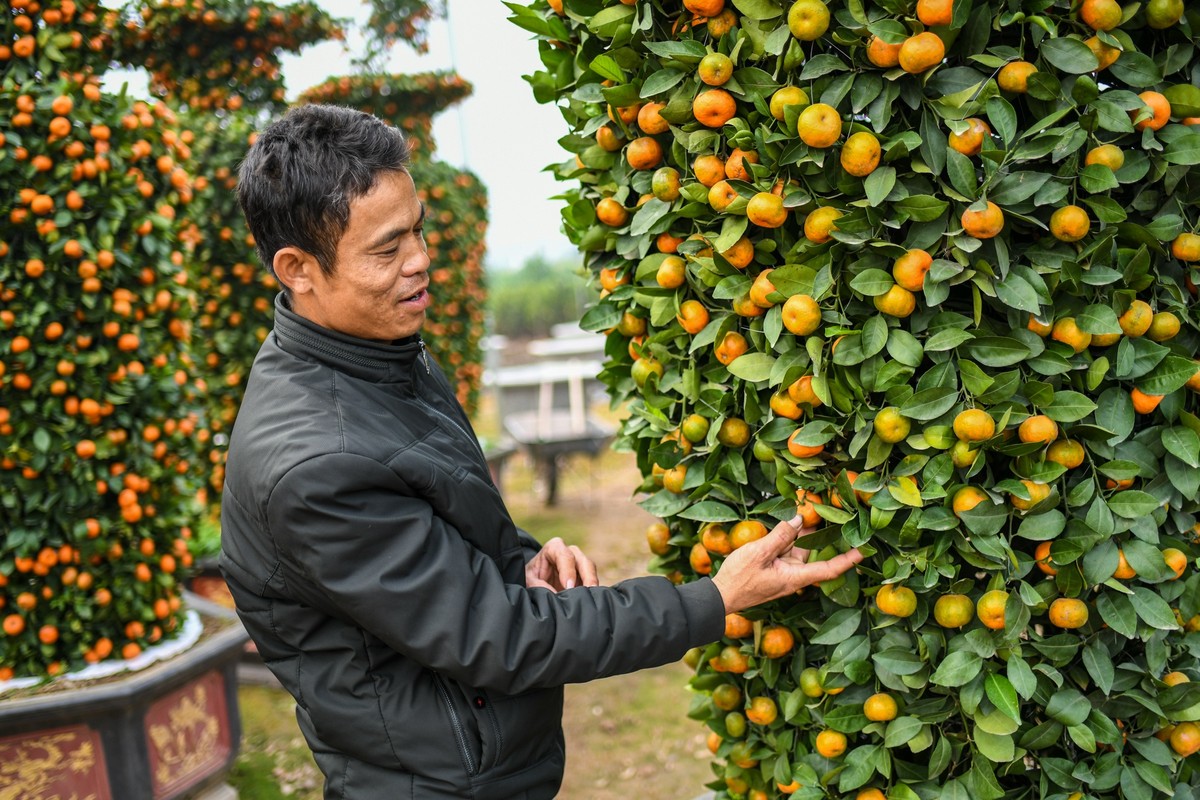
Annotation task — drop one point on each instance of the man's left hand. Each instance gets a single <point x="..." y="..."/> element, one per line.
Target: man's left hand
<point x="558" y="566"/>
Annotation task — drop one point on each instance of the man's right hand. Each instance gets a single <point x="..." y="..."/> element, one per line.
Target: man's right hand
<point x="773" y="566"/>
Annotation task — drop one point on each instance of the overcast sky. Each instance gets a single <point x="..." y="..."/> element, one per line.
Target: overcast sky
<point x="499" y="133"/>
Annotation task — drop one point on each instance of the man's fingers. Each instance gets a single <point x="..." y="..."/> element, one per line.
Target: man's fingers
<point x="828" y="570"/>
<point x="586" y="568"/>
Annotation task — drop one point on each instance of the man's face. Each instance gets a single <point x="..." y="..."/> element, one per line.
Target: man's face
<point x="378" y="287"/>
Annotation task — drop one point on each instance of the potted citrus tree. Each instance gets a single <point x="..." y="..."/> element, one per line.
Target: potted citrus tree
<point x="923" y="273"/>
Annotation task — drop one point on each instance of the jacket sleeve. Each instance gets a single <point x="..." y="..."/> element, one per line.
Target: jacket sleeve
<point x="365" y="550"/>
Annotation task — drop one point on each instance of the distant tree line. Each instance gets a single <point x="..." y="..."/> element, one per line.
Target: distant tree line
<point x="528" y="301"/>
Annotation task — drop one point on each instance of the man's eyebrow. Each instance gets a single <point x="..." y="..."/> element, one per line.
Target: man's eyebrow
<point x="396" y="233"/>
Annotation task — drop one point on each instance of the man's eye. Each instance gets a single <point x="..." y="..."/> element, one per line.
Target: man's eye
<point x="389" y="253"/>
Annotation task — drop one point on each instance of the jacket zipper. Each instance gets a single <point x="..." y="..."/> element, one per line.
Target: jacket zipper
<point x="459" y="733"/>
<point x="318" y="345"/>
<point x="454" y="423"/>
<point x="495" y="729"/>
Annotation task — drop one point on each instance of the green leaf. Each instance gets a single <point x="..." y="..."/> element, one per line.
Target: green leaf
<point x="710" y="511"/>
<point x="1183" y="443"/>
<point x="1172" y="373"/>
<point x="901" y="730"/>
<point x="1021" y="676"/>
<point x="1096" y="178"/>
<point x="1069" y="407"/>
<point x="957" y="669"/>
<point x="998" y="351"/>
<point x="752" y="367"/>
<point x="1003" y="696"/>
<point x="1136" y="69"/>
<point x="665" y="503"/>
<point x="1153" y="610"/>
<point x="821" y="65"/>
<point x="985" y="519"/>
<point x="1069" y="55"/>
<point x="961" y="171"/>
<point x="1118" y="611"/>
<point x="1043" y="527"/>
<point x="1003" y="118"/>
<point x="1099" y="665"/>
<point x="41" y="440"/>
<point x="895" y="660"/>
<point x="921" y="207"/>
<point x="1185" y="150"/>
<point x="872" y="282"/>
<point x="1068" y="706"/>
<point x="1132" y="503"/>
<point x="1017" y="187"/>
<point x="606" y="67"/>
<point x="1098" y="319"/>
<point x="758" y="9"/>
<point x="838" y="627"/>
<point x="879" y="184"/>
<point x="998" y="749"/>
<point x="662" y="80"/>
<point x="929" y="403"/>
<point x="651" y="212"/>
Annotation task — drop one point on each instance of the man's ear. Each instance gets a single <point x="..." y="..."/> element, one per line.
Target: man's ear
<point x="296" y="269"/>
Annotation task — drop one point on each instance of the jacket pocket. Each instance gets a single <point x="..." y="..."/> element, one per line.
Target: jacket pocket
<point x="462" y="724"/>
<point x="519" y="730"/>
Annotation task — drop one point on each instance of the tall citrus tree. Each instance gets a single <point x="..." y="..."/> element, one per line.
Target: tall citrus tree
<point x="99" y="397"/>
<point x="925" y="274"/>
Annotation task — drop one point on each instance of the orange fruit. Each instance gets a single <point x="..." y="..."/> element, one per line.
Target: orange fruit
<point x="1163" y="326"/>
<point x="721" y="24"/>
<point x="1070" y="224"/>
<point x="722" y="196"/>
<point x="1175" y="678"/>
<point x="910" y="269"/>
<point x="891" y="426"/>
<point x="699" y="559"/>
<point x="692" y="316"/>
<point x="762" y="711"/>
<point x="608" y="139"/>
<point x="806" y="506"/>
<point x="644" y="153"/>
<point x="736" y="626"/>
<point x="1144" y="403"/>
<point x="990" y="609"/>
<point x="650" y="120"/>
<point x="1100" y="15"/>
<point x="1038" y="428"/>
<point x="1136" y="319"/>
<point x="1160" y="112"/>
<point x="734" y="432"/>
<point x="880" y="707"/>
<point x="784" y="406"/>
<point x="672" y="273"/>
<point x="966" y="498"/>
<point x="787" y="96"/>
<point x="935" y="12"/>
<point x="1105" y="54"/>
<point x="704" y="8"/>
<point x="1014" y="76"/>
<point x="1065" y="330"/>
<point x="819" y="125"/>
<point x="801" y="314"/>
<point x="777" y="641"/>
<point x="732" y="345"/>
<point x="665" y="184"/>
<point x="896" y="600"/>
<point x="1037" y="493"/>
<point x="953" y="610"/>
<point x="746" y="531"/>
<point x="766" y="210"/>
<point x="714" y="107"/>
<point x="708" y="169"/>
<point x="1123" y="571"/>
<point x="970" y="141"/>
<point x="715" y="69"/>
<point x="762" y="289"/>
<point x="1066" y="452"/>
<point x="830" y="743"/>
<point x="803" y="450"/>
<point x="657" y="536"/>
<point x="801" y="391"/>
<point x="1177" y="560"/>
<point x="1185" y="739"/>
<point x="1186" y="247"/>
<point x="1068" y="613"/>
<point x="820" y="224"/>
<point x="611" y="213"/>
<point x="921" y="52"/>
<point x="741" y="252"/>
<point x="984" y="224"/>
<point x="870" y="794"/>
<point x="896" y="302"/>
<point x="1041" y="557"/>
<point x="860" y="154"/>
<point x="736" y="166"/>
<point x="808" y="19"/>
<point x="1108" y="155"/>
<point x="882" y="54"/>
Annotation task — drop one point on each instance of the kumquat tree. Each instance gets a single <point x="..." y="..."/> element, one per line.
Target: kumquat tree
<point x="99" y="396"/>
<point x="924" y="273"/>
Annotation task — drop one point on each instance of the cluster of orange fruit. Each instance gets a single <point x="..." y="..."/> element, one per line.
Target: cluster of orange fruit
<point x="923" y="273"/>
<point x="100" y="418"/>
<point x="217" y="55"/>
<point x="397" y="20"/>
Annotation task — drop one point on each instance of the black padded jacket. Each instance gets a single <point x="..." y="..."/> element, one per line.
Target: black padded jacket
<point x="374" y="564"/>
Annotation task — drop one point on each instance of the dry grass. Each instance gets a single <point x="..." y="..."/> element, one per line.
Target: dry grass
<point x="626" y="736"/>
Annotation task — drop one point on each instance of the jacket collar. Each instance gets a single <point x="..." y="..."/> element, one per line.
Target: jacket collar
<point x="361" y="358"/>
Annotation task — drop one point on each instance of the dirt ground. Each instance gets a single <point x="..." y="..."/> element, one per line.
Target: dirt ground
<point x="627" y="735"/>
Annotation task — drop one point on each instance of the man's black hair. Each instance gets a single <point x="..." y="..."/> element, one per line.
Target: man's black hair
<point x="298" y="179"/>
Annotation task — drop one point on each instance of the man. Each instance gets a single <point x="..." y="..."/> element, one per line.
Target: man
<point x="424" y="636"/>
